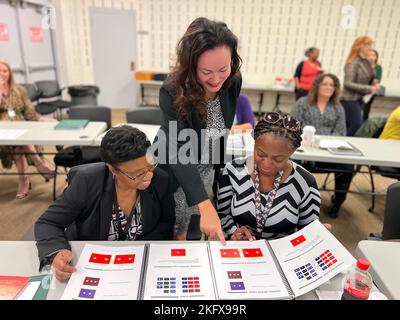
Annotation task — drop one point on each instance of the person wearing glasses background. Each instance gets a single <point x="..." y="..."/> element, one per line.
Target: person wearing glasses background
<point x="123" y="198"/>
<point x="267" y="195"/>
<point x="322" y="109"/>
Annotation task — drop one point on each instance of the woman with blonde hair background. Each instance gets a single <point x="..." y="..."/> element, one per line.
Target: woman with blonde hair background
<point x="359" y="80"/>
<point x="16" y="106"/>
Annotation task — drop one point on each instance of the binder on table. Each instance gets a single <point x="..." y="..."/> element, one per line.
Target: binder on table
<point x="66" y="124"/>
<point x="277" y="269"/>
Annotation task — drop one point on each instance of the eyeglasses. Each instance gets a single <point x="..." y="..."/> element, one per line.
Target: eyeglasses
<point x="140" y="175"/>
<point x="288" y="122"/>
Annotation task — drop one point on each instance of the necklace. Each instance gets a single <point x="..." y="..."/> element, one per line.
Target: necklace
<point x="262" y="213"/>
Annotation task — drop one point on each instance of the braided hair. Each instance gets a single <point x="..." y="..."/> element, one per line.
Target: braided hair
<point x="263" y="127"/>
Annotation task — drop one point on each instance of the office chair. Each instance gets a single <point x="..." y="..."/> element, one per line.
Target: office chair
<point x="391" y="218"/>
<point x="50" y="89"/>
<point x="76" y="155"/>
<point x="34" y="95"/>
<point x="145" y="115"/>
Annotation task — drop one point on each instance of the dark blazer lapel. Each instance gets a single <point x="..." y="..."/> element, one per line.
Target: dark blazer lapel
<point x="106" y="204"/>
<point x="146" y="203"/>
<point x="228" y="110"/>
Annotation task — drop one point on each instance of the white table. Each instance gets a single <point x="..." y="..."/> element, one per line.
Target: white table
<point x="385" y="265"/>
<point x="151" y="132"/>
<point x="43" y="133"/>
<point x="19" y="258"/>
<point x="376" y="152"/>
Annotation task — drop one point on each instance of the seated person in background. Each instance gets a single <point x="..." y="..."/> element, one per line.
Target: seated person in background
<point x="16" y="106"/>
<point x="124" y="198"/>
<point x="392" y="130"/>
<point x="322" y="110"/>
<point x="392" y="126"/>
<point x="306" y="72"/>
<point x="244" y="117"/>
<point x="267" y="195"/>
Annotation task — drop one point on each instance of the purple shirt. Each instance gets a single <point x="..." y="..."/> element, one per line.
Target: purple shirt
<point x="244" y="111"/>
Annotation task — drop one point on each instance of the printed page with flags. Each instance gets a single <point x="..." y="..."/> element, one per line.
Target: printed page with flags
<point x="178" y="271"/>
<point x="246" y="270"/>
<point x="106" y="273"/>
<point x="310" y="257"/>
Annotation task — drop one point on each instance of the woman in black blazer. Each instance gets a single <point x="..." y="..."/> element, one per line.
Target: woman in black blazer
<point x="124" y="198"/>
<point x="198" y="101"/>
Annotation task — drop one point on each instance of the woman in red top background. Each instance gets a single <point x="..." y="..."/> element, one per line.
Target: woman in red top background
<point x="306" y="72"/>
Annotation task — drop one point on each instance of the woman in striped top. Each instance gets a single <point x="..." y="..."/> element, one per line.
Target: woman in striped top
<point x="267" y="195"/>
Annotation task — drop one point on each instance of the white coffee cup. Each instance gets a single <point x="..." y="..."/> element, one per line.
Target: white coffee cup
<point x="308" y="136"/>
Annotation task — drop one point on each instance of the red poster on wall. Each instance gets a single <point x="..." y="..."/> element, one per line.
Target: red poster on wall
<point x="36" y="34"/>
<point x="4" y="32"/>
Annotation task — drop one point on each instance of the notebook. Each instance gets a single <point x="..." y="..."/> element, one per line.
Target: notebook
<point x="67" y="124"/>
<point x="11" y="286"/>
<point x="277" y="269"/>
<point x="340" y="147"/>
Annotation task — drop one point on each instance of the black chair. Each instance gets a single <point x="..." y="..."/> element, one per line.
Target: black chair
<point x="76" y="155"/>
<point x="144" y="115"/>
<point x="33" y="92"/>
<point x="50" y="89"/>
<point x="391" y="219"/>
<point x="34" y="95"/>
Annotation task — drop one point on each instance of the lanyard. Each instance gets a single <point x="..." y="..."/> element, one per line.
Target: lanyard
<point x="122" y="233"/>
<point x="262" y="214"/>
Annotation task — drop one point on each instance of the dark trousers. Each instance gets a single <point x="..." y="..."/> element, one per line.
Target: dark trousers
<point x="300" y="93"/>
<point x="354" y="115"/>
<point x="343" y="176"/>
<point x="367" y="108"/>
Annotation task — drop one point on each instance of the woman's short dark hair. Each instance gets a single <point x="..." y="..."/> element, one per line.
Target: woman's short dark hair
<point x="202" y="35"/>
<point x="123" y="143"/>
<point x="309" y="50"/>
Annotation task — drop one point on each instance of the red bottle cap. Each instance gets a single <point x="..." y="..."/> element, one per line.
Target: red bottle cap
<point x="363" y="264"/>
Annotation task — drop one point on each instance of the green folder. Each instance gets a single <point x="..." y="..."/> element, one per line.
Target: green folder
<point x="71" y="124"/>
<point x="41" y="293"/>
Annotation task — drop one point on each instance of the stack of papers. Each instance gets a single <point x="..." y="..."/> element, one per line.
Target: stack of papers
<point x="338" y="144"/>
<point x="235" y="141"/>
<point x="11" y="134"/>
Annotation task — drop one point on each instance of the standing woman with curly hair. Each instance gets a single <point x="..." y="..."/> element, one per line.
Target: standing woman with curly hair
<point x="200" y="94"/>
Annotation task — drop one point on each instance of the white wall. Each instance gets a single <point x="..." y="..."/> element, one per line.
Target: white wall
<point x="273" y="34"/>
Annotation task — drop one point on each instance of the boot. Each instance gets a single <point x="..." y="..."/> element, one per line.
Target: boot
<point x="334" y="207"/>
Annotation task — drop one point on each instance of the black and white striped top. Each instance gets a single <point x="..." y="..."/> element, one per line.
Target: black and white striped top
<point x="296" y="204"/>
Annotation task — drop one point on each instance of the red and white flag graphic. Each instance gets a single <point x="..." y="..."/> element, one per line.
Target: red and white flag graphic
<point x="178" y="252"/>
<point x="298" y="240"/>
<point x="230" y="253"/>
<point x="124" y="258"/>
<point x="100" y="258"/>
<point x="252" y="253"/>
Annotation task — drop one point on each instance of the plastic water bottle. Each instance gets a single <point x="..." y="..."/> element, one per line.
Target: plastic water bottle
<point x="358" y="282"/>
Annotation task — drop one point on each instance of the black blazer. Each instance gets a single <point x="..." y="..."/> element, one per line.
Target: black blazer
<point x="87" y="205"/>
<point x="187" y="175"/>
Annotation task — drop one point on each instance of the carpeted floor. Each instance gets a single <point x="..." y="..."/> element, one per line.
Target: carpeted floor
<point x="353" y="224"/>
